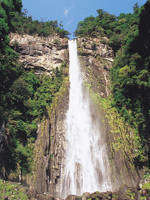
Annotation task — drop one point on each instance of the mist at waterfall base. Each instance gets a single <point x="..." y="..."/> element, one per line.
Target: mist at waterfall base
<point x="86" y="162"/>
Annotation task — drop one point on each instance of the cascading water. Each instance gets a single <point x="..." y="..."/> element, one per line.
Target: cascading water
<point x="85" y="167"/>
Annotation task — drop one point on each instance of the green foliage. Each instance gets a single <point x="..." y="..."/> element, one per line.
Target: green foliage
<point x="23" y="23"/>
<point x="105" y="24"/>
<point x="131" y="76"/>
<point x="10" y="8"/>
<point x="11" y="191"/>
<point x="88" y="27"/>
<point x="28" y="98"/>
<point x="12" y="19"/>
<point x="19" y="123"/>
<point x="44" y="95"/>
<point x="24" y="96"/>
<point x="125" y="139"/>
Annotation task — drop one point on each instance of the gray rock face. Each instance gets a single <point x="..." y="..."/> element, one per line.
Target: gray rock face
<point x="39" y="53"/>
<point x="43" y="55"/>
<point x="96" y="61"/>
<point x="95" y="47"/>
<point x="49" y="149"/>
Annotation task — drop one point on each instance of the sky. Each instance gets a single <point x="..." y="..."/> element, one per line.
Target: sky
<point x="70" y="12"/>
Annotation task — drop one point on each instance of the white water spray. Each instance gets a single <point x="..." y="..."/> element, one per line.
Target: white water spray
<point x="86" y="159"/>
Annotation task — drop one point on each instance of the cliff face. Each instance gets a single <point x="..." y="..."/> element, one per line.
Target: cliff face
<point x="49" y="147"/>
<point x="39" y="53"/>
<point x="42" y="55"/>
<point x="96" y="59"/>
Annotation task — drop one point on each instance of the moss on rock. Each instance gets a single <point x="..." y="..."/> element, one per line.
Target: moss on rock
<point x="12" y="191"/>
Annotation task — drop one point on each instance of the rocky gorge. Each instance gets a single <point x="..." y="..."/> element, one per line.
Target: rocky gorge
<point x="42" y="55"/>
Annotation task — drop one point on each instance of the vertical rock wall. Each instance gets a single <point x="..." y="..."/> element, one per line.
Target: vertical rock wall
<point x="49" y="147"/>
<point x="96" y="59"/>
<point x="42" y="55"/>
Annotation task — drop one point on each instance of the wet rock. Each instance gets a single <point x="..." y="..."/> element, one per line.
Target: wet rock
<point x="73" y="197"/>
<point x="85" y="196"/>
<point x="33" y="195"/>
<point x="128" y="194"/>
<point x="95" y="60"/>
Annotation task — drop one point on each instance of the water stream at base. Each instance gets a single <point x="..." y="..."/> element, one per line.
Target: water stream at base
<point x="86" y="163"/>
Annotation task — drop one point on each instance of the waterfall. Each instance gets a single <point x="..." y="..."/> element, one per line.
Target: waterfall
<point x="86" y="163"/>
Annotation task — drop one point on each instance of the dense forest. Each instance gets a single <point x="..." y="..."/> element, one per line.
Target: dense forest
<point x="129" y="37"/>
<point x="22" y="23"/>
<point x="21" y="102"/>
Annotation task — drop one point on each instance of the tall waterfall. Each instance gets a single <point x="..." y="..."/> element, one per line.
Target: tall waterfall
<point x="86" y="160"/>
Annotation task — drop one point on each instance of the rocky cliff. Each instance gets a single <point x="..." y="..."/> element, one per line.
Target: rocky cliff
<point x="49" y="147"/>
<point x="40" y="53"/>
<point x="96" y="58"/>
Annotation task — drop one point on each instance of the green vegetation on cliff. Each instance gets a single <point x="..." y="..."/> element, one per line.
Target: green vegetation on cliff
<point x="24" y="96"/>
<point x="15" y="20"/>
<point x="12" y="191"/>
<point x="131" y="79"/>
<point x="105" y="24"/>
<point x="130" y="76"/>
